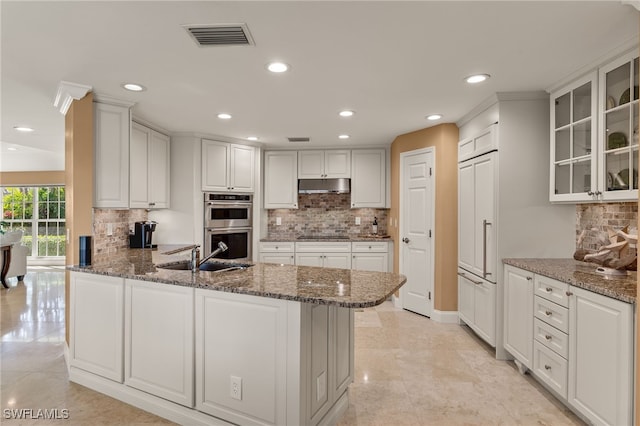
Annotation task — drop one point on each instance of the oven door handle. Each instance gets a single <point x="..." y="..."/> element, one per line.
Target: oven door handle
<point x="226" y="230"/>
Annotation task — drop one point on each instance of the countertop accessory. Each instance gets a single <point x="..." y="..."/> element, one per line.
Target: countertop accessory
<point x="611" y="272"/>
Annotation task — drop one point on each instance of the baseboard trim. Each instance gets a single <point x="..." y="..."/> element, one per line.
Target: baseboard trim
<point x="445" y="317"/>
<point x="144" y="401"/>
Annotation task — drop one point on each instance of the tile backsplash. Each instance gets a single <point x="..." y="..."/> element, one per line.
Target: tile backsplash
<point x="324" y="215"/>
<point x="599" y="217"/>
<point x="121" y="221"/>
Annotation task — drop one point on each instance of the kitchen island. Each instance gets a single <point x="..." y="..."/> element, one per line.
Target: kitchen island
<point x="268" y="344"/>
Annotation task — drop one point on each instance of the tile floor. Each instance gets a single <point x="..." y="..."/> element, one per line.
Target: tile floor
<point x="409" y="370"/>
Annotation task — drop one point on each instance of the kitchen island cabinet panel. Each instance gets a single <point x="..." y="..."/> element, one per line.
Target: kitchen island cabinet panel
<point x="224" y="353"/>
<point x="518" y="312"/>
<point x="97" y="324"/>
<point x="159" y="340"/>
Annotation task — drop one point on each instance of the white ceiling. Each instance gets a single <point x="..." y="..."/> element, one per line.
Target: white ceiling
<point x="392" y="62"/>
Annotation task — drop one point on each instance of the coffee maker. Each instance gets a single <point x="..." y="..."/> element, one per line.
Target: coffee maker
<point x="141" y="236"/>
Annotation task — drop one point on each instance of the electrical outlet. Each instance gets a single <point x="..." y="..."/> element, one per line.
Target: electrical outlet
<point x="357" y="220"/>
<point x="278" y="221"/>
<point x="235" y="388"/>
<point x="109" y="229"/>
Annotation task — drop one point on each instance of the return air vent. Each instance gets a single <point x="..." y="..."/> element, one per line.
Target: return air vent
<point x="299" y="140"/>
<point x="220" y="34"/>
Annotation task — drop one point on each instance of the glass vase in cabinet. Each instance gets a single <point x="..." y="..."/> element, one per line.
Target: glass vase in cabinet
<point x="618" y="162"/>
<point x="574" y="142"/>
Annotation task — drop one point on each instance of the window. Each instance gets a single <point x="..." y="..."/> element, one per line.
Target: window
<point x="40" y="213"/>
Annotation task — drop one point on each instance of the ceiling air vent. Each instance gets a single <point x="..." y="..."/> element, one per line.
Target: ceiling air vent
<point x="220" y="34"/>
<point x="299" y="139"/>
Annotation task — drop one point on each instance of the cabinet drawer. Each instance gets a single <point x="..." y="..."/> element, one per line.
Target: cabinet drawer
<point x="551" y="313"/>
<point x="551" y="337"/>
<point x="328" y="247"/>
<point x="369" y="247"/>
<point x="551" y="289"/>
<point x="277" y="247"/>
<point x="550" y="368"/>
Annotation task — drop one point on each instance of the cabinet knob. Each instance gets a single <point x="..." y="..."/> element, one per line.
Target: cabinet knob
<point x="548" y="313"/>
<point x="590" y="193"/>
<point x="152" y="204"/>
<point x="276" y="247"/>
<point x="547" y="367"/>
<point x="568" y="293"/>
<point x="529" y="278"/>
<point x="548" y="289"/>
<point x="369" y="247"/>
<point x="548" y="337"/>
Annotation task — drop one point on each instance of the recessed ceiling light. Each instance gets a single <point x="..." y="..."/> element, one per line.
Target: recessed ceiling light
<point x="343" y="137"/>
<point x="133" y="87"/>
<point x="477" y="78"/>
<point x="23" y="128"/>
<point x="252" y="138"/>
<point x="277" y="67"/>
<point x="224" y="116"/>
<point x="12" y="149"/>
<point x="346" y="113"/>
<point x="434" y="117"/>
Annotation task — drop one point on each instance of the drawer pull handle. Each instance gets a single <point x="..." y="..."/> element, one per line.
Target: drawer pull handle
<point x="548" y="337"/>
<point x="548" y="313"/>
<point x="549" y="289"/>
<point x="547" y="367"/>
<point x="568" y="293"/>
<point x="276" y="247"/>
<point x="529" y="278"/>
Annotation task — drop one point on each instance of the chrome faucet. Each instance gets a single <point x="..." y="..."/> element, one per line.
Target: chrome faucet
<point x="195" y="255"/>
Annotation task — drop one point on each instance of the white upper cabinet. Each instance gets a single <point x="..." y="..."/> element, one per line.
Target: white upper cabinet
<point x="368" y="178"/>
<point x="618" y="157"/>
<point x="227" y="167"/>
<point x="324" y="164"/>
<point x="112" y="128"/>
<point x="149" y="153"/>
<point x="281" y="180"/>
<point x="594" y="135"/>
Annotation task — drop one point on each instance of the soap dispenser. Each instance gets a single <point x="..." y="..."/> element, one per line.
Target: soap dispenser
<point x="375" y="226"/>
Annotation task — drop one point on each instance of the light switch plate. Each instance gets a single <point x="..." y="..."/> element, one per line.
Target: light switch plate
<point x="357" y="221"/>
<point x="278" y="221"/>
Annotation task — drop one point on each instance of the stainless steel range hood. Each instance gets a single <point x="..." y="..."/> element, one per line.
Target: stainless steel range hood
<point x="323" y="186"/>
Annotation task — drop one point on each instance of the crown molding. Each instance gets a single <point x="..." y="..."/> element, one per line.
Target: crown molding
<point x="67" y="93"/>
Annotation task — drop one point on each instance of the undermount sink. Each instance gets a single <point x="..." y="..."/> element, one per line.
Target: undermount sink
<point x="206" y="266"/>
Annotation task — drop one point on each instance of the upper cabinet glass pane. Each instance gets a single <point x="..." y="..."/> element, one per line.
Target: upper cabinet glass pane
<point x="581" y="139"/>
<point x="563" y="144"/>
<point x="618" y="92"/>
<point x="617" y="129"/>
<point x="582" y="102"/>
<point x="563" y="110"/>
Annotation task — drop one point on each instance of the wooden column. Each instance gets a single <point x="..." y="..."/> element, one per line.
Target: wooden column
<point x="78" y="182"/>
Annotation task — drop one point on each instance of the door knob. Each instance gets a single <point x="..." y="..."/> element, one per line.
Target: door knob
<point x="405" y="240"/>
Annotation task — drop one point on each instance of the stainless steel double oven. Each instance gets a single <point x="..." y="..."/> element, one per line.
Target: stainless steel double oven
<point x="228" y="218"/>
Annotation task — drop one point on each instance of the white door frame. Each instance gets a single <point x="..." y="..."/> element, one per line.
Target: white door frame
<point x="397" y="302"/>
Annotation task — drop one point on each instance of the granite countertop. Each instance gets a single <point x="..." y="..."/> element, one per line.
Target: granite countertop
<point x="325" y="286"/>
<point x="583" y="275"/>
<point x="318" y="239"/>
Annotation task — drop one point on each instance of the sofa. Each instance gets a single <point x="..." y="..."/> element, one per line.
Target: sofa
<point x="14" y="257"/>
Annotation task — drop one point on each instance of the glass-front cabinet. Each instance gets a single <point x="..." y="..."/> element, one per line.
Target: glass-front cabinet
<point x="594" y="135"/>
<point x="574" y="141"/>
<point x="619" y="131"/>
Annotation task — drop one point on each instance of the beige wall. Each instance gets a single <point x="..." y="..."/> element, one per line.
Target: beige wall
<point x="444" y="138"/>
<point x="32" y="178"/>
<point x="78" y="181"/>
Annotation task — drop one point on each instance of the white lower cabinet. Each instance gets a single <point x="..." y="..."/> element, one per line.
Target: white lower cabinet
<point x="370" y="256"/>
<point x="518" y="315"/>
<point x="278" y="252"/>
<point x="159" y="340"/>
<point x="328" y="255"/>
<point x="96" y="324"/>
<point x="477" y="305"/>
<point x="601" y="358"/>
<point x="583" y="344"/>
